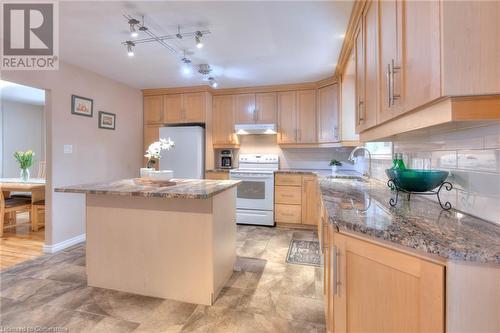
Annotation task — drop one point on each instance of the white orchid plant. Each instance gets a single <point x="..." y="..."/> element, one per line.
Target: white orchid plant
<point x="154" y="150"/>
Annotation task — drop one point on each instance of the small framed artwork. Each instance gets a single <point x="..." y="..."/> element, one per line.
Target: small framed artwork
<point x="107" y="120"/>
<point x="82" y="106"/>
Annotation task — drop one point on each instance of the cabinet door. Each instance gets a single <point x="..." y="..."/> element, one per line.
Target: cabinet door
<point x="217" y="175"/>
<point x="223" y="119"/>
<point x="306" y="116"/>
<point x="377" y="289"/>
<point x="172" y="109"/>
<point x="287" y="117"/>
<point x="151" y="134"/>
<point x="421" y="66"/>
<point x="193" y="105"/>
<point x="327" y="268"/>
<point x="359" y="54"/>
<point x="266" y="108"/>
<point x="245" y="109"/>
<point x="371" y="105"/>
<point x="310" y="197"/>
<point x="153" y="110"/>
<point x="390" y="61"/>
<point x="328" y="114"/>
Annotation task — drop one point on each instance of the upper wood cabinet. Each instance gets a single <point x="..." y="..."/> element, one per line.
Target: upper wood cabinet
<point x="245" y="108"/>
<point x="185" y="108"/>
<point x="306" y="116"/>
<point x="260" y="108"/>
<point x="328" y="114"/>
<point x="223" y="111"/>
<point x="194" y="107"/>
<point x="418" y="55"/>
<point x="172" y="109"/>
<point x="153" y="106"/>
<point x="287" y="114"/>
<point x="266" y="108"/>
<point x="402" y="294"/>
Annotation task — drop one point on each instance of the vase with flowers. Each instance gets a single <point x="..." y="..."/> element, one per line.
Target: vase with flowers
<point x="153" y="154"/>
<point x="25" y="160"/>
<point x="335" y="164"/>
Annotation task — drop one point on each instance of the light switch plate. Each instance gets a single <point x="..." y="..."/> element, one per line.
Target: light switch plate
<point x="68" y="149"/>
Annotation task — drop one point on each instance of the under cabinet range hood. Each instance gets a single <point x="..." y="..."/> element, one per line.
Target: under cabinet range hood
<point x="243" y="129"/>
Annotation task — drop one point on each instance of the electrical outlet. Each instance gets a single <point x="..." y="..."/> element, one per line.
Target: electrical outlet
<point x="68" y="149"/>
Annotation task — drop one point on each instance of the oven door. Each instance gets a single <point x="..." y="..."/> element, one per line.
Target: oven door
<point x="255" y="191"/>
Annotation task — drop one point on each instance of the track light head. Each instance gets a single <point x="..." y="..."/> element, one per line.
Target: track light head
<point x="133" y="32"/>
<point x="130" y="48"/>
<point x="197" y="38"/>
<point x="212" y="82"/>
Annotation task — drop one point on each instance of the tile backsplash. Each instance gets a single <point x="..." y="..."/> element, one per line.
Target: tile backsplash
<point x="471" y="155"/>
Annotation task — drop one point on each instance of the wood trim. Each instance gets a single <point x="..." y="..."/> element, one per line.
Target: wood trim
<point x="476" y="108"/>
<point x="348" y="43"/>
<point x="442" y="111"/>
<point x="340" y="144"/>
<point x="177" y="90"/>
<point x="295" y="226"/>
<point x="243" y="90"/>
<point x="222" y="146"/>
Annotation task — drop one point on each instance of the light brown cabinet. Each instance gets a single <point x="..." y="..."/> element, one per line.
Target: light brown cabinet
<point x="306" y="116"/>
<point x="185" y="108"/>
<point x="223" y="111"/>
<point x="287" y="117"/>
<point x="219" y="175"/>
<point x="296" y="199"/>
<point x="402" y="294"/>
<point x="310" y="198"/>
<point x="153" y="110"/>
<point x="259" y="108"/>
<point x="328" y="114"/>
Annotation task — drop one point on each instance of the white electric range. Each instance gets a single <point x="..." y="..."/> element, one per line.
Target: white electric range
<point x="255" y="194"/>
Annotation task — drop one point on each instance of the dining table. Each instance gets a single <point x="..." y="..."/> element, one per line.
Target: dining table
<point x="35" y="186"/>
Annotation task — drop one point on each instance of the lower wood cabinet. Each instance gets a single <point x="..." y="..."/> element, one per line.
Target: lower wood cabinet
<point x="217" y="175"/>
<point x="296" y="199"/>
<point x="373" y="288"/>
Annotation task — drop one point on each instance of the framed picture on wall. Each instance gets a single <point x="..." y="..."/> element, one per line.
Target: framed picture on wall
<point x="107" y="120"/>
<point x="82" y="106"/>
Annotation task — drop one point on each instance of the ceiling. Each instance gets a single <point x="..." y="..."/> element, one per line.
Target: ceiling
<point x="252" y="43"/>
<point x="10" y="91"/>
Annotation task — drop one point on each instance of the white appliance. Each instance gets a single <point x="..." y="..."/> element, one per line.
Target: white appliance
<point x="255" y="194"/>
<point x="187" y="158"/>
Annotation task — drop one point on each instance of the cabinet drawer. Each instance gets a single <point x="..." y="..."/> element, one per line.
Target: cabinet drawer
<point x="291" y="195"/>
<point x="287" y="213"/>
<point x="287" y="179"/>
<point x="217" y="175"/>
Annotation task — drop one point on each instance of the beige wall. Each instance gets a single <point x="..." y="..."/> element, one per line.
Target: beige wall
<point x="22" y="128"/>
<point x="98" y="154"/>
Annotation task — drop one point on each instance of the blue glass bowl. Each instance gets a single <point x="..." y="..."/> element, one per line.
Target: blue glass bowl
<point x="414" y="180"/>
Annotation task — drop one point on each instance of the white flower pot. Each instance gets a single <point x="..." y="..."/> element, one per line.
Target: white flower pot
<point x="335" y="168"/>
<point x="145" y="172"/>
<point x="161" y="174"/>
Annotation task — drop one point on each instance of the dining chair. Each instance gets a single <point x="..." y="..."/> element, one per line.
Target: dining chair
<point x="37" y="208"/>
<point x="12" y="205"/>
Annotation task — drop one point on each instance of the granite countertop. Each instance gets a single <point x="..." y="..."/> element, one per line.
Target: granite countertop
<point x="184" y="189"/>
<point x="347" y="174"/>
<point x="363" y="206"/>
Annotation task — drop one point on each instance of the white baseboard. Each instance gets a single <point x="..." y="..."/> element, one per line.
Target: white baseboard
<point x="64" y="244"/>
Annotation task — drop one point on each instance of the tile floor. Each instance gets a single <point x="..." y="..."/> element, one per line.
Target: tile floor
<point x="263" y="295"/>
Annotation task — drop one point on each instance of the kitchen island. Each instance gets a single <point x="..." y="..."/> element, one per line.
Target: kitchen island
<point x="175" y="242"/>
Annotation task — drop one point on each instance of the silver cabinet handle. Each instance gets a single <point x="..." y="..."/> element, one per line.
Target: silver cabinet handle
<point x="335" y="269"/>
<point x="255" y="116"/>
<point x="336" y="132"/>
<point x="360" y="106"/>
<point x="394" y="69"/>
<point x="388" y="74"/>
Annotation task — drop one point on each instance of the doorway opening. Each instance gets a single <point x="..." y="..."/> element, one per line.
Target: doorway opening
<point x="22" y="173"/>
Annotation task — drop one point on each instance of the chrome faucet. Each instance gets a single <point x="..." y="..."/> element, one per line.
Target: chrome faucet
<point x="351" y="159"/>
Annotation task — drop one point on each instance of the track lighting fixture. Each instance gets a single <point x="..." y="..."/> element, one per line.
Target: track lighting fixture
<point x="197" y="38"/>
<point x="130" y="48"/>
<point x="186" y="65"/>
<point x="212" y="82"/>
<point x="133" y="32"/>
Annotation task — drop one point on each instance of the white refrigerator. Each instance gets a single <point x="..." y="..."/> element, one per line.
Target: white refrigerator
<point x="187" y="158"/>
